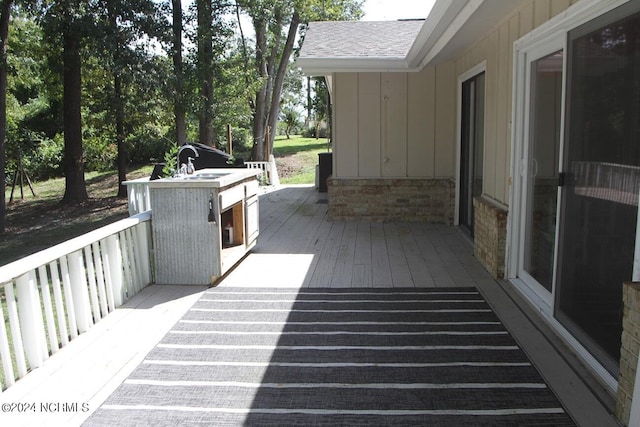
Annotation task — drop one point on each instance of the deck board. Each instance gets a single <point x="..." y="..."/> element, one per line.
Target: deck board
<point x="380" y="266"/>
<point x="326" y="259"/>
<point x="343" y="271"/>
<point x="400" y="274"/>
<point x="362" y="256"/>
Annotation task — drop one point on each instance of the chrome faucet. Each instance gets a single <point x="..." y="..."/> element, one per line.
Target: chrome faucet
<point x="188" y="168"/>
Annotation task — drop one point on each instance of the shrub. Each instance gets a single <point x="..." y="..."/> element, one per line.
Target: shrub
<point x="46" y="161"/>
<point x="145" y="149"/>
<point x="310" y="132"/>
<point x="99" y="154"/>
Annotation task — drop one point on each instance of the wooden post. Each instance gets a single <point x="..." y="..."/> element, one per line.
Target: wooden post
<point x="267" y="142"/>
<point x="21" y="175"/>
<point x="229" y="140"/>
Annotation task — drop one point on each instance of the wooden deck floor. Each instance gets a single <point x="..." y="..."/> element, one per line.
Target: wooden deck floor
<point x="299" y="247"/>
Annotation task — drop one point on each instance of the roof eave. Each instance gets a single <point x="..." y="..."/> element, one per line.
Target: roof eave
<point x="327" y="66"/>
<point x="444" y="21"/>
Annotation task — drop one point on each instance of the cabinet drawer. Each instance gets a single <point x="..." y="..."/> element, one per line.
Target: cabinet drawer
<point x="251" y="188"/>
<point x="231" y="196"/>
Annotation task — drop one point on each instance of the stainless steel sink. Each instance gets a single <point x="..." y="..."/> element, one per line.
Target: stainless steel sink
<point x="204" y="176"/>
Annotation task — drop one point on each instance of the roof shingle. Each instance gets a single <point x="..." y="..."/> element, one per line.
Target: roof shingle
<point x="360" y="39"/>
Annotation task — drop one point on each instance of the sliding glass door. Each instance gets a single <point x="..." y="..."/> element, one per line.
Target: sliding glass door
<point x="471" y="148"/>
<point x="600" y="197"/>
<point x="577" y="166"/>
<point x="541" y="177"/>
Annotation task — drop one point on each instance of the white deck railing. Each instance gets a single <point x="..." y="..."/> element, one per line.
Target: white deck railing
<point x="60" y="292"/>
<point x="269" y="171"/>
<point x="138" y="196"/>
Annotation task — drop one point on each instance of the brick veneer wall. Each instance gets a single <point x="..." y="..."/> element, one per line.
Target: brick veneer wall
<point x="629" y="350"/>
<point x="490" y="233"/>
<point x="380" y="199"/>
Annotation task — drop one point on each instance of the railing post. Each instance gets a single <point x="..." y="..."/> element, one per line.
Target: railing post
<point x="60" y="308"/>
<point x="31" y="325"/>
<point x="115" y="268"/>
<point x="274" y="178"/>
<point x="97" y="262"/>
<point x="93" y="286"/>
<point x="79" y="291"/>
<point x="16" y="334"/>
<point x="48" y="308"/>
<point x="5" y="354"/>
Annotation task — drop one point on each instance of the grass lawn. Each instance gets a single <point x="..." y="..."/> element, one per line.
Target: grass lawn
<point x="297" y="157"/>
<point x="36" y="223"/>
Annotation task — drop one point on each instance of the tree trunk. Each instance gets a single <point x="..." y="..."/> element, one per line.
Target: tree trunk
<point x="179" y="110"/>
<point x="274" y="111"/>
<point x="205" y="59"/>
<point x="4" y="34"/>
<point x="75" y="186"/>
<point x="118" y="103"/>
<point x="123" y="155"/>
<point x="260" y="112"/>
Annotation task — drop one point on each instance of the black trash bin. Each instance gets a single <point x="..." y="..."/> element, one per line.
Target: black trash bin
<point x="325" y="169"/>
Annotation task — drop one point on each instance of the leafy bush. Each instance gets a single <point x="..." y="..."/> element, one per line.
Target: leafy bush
<point x="99" y="154"/>
<point x="46" y="161"/>
<point x="145" y="149"/>
<point x="241" y="140"/>
<point x="310" y="132"/>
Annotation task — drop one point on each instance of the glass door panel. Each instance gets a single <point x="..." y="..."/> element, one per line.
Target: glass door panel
<point x="600" y="199"/>
<point x="542" y="170"/>
<point x="471" y="148"/>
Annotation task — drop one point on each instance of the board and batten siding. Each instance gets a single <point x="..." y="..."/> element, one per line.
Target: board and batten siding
<point x="496" y="48"/>
<point x="386" y="125"/>
<point x="395" y="125"/>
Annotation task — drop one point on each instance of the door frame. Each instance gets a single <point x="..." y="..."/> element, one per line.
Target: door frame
<point x="469" y="74"/>
<point x="521" y="186"/>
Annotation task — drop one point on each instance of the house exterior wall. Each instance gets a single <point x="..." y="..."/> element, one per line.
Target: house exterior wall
<point x="387" y="124"/>
<point x="387" y="128"/>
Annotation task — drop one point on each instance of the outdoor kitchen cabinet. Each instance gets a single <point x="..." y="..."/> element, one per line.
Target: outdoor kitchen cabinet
<point x="190" y="216"/>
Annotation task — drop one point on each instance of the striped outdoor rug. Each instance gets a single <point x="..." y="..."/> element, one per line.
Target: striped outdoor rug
<point x="431" y="357"/>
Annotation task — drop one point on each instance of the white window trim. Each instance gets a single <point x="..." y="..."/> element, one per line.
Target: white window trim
<point x="557" y="27"/>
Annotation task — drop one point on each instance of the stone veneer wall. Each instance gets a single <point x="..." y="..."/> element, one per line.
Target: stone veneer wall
<point x="629" y="350"/>
<point x="381" y="199"/>
<point x="490" y="233"/>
